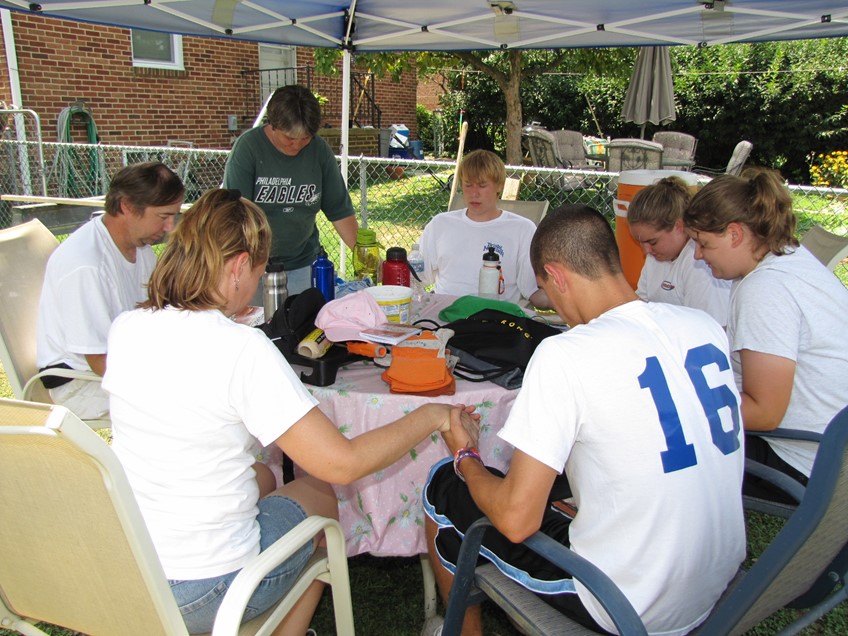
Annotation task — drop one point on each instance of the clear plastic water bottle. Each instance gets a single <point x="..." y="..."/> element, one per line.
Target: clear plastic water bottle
<point x="324" y="275"/>
<point x="416" y="264"/>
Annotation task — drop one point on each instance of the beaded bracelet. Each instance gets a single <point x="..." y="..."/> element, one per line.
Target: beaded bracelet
<point x="461" y="454"/>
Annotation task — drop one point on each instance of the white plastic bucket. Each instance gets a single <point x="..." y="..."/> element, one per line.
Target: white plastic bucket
<point x="394" y="300"/>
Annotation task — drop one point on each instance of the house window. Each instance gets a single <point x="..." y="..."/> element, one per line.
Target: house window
<point x="151" y="49"/>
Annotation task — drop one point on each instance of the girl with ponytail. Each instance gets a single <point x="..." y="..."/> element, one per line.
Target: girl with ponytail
<point x="786" y="318"/>
<point x="671" y="273"/>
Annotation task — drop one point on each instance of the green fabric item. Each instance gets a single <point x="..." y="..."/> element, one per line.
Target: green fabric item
<point x="290" y="190"/>
<point x="465" y="306"/>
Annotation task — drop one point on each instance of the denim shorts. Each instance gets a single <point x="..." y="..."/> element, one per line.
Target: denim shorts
<point x="200" y="599"/>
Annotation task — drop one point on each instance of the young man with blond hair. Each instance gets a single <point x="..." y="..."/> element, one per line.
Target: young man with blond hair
<point x="453" y="243"/>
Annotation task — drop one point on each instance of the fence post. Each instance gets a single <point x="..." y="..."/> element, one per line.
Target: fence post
<point x="363" y="192"/>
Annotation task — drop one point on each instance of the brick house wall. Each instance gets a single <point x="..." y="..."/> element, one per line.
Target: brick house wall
<point x="395" y="99"/>
<point x="429" y="92"/>
<point x="61" y="62"/>
<point x="5" y="88"/>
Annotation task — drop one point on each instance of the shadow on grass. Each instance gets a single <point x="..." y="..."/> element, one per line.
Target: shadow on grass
<point x="388" y="598"/>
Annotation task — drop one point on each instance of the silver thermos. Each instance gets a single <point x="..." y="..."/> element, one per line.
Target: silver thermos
<point x="274" y="283"/>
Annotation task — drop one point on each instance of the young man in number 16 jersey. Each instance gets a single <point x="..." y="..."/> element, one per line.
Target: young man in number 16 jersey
<point x="638" y="406"/>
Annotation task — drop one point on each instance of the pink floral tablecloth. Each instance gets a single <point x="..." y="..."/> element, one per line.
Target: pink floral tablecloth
<point x="382" y="513"/>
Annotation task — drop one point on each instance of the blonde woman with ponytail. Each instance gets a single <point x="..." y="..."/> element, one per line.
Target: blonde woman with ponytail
<point x="787" y="315"/>
<point x="190" y="392"/>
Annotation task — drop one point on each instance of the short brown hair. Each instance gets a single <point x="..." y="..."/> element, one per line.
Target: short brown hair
<point x="295" y="111"/>
<point x="142" y="185"/>
<point x="219" y="226"/>
<point x="578" y="237"/>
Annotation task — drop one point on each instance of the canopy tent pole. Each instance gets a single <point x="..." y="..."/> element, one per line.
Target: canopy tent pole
<point x="344" y="143"/>
<point x="345" y="123"/>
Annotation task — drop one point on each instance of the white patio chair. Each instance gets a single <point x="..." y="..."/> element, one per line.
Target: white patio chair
<point x="24" y="250"/>
<point x="829" y="248"/>
<point x="634" y="154"/>
<point x="533" y="210"/>
<point x="737" y="161"/>
<point x="75" y="551"/>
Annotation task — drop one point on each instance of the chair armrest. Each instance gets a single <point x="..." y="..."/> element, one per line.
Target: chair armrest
<point x="620" y="610"/>
<point x="709" y="172"/>
<point x="230" y="613"/>
<point x="779" y="480"/>
<point x="788" y="433"/>
<point x="607" y="593"/>
<point x="90" y="376"/>
<point x="776" y="478"/>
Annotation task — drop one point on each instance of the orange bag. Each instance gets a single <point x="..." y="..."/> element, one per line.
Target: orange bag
<point x="419" y="366"/>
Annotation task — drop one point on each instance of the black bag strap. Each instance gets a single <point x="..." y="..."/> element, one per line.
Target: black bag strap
<point x="428" y="324"/>
<point x="464" y="372"/>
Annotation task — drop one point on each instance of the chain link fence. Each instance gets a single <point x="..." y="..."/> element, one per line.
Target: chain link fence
<point x="395" y="197"/>
<point x="21" y="159"/>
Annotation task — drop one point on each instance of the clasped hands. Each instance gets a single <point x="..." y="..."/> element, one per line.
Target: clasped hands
<point x="462" y="428"/>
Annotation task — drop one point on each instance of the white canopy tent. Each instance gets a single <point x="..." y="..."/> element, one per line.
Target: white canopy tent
<point x="444" y="25"/>
<point x="396" y="25"/>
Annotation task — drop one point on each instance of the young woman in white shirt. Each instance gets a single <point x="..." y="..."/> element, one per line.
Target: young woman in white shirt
<point x="671" y="273"/>
<point x="191" y="390"/>
<point x="787" y="314"/>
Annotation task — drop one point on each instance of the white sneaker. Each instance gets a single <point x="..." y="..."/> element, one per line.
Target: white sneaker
<point x="433" y="626"/>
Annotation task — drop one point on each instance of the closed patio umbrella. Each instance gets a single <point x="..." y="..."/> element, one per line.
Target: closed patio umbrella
<point x="650" y="94"/>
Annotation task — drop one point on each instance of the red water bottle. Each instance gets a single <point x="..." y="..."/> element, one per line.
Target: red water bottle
<point x="396" y="267"/>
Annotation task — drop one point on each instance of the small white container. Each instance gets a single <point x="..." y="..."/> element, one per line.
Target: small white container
<point x="394" y="300"/>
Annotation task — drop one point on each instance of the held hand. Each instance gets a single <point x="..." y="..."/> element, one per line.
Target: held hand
<point x="464" y="428"/>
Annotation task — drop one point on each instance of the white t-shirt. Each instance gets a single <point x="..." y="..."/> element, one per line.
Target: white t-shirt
<point x="685" y="281"/>
<point x="453" y="245"/>
<point x="87" y="283"/>
<point x="190" y="390"/>
<point x="791" y="306"/>
<point x="607" y="400"/>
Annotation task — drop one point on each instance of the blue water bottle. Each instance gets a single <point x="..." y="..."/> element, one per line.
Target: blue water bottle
<point x="324" y="275"/>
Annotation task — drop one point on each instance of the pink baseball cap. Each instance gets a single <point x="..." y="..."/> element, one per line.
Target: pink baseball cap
<point x="342" y="319"/>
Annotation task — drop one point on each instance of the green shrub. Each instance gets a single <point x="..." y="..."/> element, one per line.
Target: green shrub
<point x="424" y="121"/>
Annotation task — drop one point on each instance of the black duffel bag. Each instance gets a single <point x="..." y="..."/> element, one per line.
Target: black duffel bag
<point x="294" y="320"/>
<point x="493" y="345"/>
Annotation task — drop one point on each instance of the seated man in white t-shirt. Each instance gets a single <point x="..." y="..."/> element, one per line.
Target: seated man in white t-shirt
<point x="102" y="270"/>
<point x="453" y="243"/>
<point x="637" y="404"/>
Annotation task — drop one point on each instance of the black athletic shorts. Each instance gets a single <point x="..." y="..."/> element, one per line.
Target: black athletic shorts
<point x="448" y="503"/>
<point x="758" y="449"/>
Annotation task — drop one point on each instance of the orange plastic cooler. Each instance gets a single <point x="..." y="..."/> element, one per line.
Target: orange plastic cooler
<point x="629" y="183"/>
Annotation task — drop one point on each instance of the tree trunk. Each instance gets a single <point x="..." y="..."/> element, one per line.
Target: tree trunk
<point x="512" y="94"/>
<point x="510" y="83"/>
